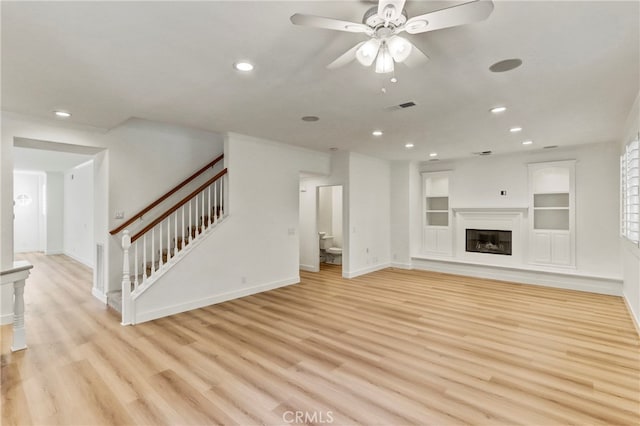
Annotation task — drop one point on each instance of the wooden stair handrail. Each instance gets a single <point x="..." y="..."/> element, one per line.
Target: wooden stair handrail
<point x="178" y="205"/>
<point x="165" y="196"/>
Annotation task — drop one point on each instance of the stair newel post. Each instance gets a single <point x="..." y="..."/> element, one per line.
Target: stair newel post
<point x="222" y="196"/>
<point x="126" y="279"/>
<point x="209" y="205"/>
<point x="19" y="334"/>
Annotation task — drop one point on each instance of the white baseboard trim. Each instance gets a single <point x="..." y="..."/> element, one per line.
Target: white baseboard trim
<point x="309" y="268"/>
<point x="634" y="315"/>
<point x="601" y="285"/>
<point x="6" y="318"/>
<point x="141" y="317"/>
<point x="99" y="295"/>
<point x="85" y="262"/>
<point x="401" y="265"/>
<point x="367" y="270"/>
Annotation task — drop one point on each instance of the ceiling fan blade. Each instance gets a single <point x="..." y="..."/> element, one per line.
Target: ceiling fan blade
<point x="330" y="23"/>
<point x="390" y="10"/>
<point x="462" y="14"/>
<point x="345" y="58"/>
<point x="416" y="58"/>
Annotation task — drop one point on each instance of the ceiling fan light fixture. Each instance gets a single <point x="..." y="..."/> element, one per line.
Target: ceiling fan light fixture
<point x="400" y="48"/>
<point x="366" y="53"/>
<point x="384" y="62"/>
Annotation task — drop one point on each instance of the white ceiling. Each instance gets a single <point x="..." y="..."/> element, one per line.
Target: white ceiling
<point x="172" y="62"/>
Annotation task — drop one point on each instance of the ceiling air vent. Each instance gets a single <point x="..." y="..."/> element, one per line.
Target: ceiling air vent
<point x="403" y="105"/>
<point x="483" y="153"/>
<point x="550" y="147"/>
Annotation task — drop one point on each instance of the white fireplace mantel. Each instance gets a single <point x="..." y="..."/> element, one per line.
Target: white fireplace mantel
<point x="489" y="209"/>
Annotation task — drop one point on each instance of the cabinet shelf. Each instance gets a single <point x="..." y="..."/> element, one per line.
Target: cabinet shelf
<point x="437" y="211"/>
<point x="551" y="208"/>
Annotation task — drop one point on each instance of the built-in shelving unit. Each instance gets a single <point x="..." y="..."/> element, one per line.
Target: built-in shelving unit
<point x="436" y="213"/>
<point x="552" y="200"/>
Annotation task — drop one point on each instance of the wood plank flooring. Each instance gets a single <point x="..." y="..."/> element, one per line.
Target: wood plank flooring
<point x="390" y="348"/>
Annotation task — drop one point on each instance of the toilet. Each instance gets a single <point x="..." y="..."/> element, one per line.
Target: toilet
<point x="332" y="255"/>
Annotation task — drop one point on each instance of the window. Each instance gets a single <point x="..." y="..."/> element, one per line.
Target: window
<point x="630" y="191"/>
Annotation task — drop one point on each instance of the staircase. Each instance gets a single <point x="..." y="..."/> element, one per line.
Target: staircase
<point x="153" y="269"/>
<point x="151" y="252"/>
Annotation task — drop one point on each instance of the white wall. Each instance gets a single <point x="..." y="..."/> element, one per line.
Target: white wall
<point x="55" y="213"/>
<point x="29" y="228"/>
<point x="630" y="252"/>
<point x="400" y="219"/>
<point x="336" y="215"/>
<point x="476" y="182"/>
<point x="330" y="213"/>
<point x="256" y="248"/>
<point x="369" y="214"/>
<point x="78" y="241"/>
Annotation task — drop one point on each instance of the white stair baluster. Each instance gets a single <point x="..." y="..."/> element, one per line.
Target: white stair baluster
<point x="169" y="233"/>
<point x="215" y="202"/>
<point x="153" y="251"/>
<point x="196" y="218"/>
<point x="175" y="234"/>
<point x="184" y="239"/>
<point x="160" y="262"/>
<point x="190" y="228"/>
<point x="209" y="205"/>
<point x="135" y="266"/>
<point x="202" y="211"/>
<point x="144" y="258"/>
<point x="168" y="239"/>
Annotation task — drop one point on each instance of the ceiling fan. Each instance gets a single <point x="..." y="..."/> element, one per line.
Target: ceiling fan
<point x="384" y="22"/>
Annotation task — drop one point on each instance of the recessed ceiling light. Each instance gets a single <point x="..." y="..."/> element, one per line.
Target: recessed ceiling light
<point x="433" y="154"/>
<point x="515" y="129"/>
<point x="408" y="145"/>
<point x="498" y="110"/>
<point x="62" y="114"/>
<point x="527" y="142"/>
<point x="377" y="133"/>
<point x="394" y="80"/>
<point x="310" y="118"/>
<point x="243" y="66"/>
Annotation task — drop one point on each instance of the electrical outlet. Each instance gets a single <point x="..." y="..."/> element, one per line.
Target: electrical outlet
<point x="243" y="280"/>
<point x="120" y="215"/>
<point x="292" y="231"/>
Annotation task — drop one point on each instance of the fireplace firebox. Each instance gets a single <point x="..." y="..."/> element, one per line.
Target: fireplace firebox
<point x="489" y="241"/>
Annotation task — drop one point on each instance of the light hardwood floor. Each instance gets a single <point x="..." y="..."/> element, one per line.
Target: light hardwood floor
<point x="393" y="347"/>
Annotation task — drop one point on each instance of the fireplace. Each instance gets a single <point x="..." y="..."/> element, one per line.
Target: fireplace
<point x="489" y="241"/>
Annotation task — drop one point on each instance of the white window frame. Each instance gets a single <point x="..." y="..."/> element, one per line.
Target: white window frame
<point x="630" y="191"/>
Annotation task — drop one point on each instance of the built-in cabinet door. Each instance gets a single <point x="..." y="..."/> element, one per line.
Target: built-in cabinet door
<point x="560" y="248"/>
<point x="541" y="247"/>
<point x="437" y="240"/>
<point x="444" y="240"/>
<point x="431" y="239"/>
